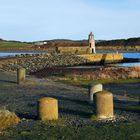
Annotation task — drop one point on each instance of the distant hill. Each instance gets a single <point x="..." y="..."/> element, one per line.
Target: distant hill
<point x="12" y="44"/>
<point x="1" y="39"/>
<point x="103" y="44"/>
<point x="72" y="43"/>
<point x="66" y="43"/>
<point x="120" y="42"/>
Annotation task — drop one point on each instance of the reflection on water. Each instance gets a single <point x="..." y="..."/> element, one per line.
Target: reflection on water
<point x="85" y="67"/>
<point x="16" y="53"/>
<point x="119" y="64"/>
<point x="129" y="64"/>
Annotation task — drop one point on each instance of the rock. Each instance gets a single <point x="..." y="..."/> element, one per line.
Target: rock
<point x="8" y="119"/>
<point x="37" y="62"/>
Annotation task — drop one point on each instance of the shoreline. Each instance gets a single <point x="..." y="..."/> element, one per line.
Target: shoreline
<point x="63" y="65"/>
<point x="52" y="49"/>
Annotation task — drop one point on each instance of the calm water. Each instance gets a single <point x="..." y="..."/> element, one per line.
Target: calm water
<point x="129" y="64"/>
<point x="126" y="54"/>
<point x="132" y="55"/>
<point x="16" y="53"/>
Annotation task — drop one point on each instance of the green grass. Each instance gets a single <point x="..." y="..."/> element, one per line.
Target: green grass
<point x="132" y="108"/>
<point x="10" y="45"/>
<point x="119" y="131"/>
<point x="82" y="82"/>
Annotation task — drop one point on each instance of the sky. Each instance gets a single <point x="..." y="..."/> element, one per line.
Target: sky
<point x="32" y="20"/>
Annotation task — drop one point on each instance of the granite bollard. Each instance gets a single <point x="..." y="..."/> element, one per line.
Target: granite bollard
<point x="104" y="105"/>
<point x="93" y="89"/>
<point x="48" y="109"/>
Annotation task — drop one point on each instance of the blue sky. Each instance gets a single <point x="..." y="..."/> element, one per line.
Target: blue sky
<point x="30" y="20"/>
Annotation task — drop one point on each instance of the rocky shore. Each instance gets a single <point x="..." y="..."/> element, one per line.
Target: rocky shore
<point x="35" y="62"/>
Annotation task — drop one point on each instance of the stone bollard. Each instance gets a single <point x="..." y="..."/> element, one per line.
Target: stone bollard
<point x="139" y="100"/>
<point x="21" y="74"/>
<point x="48" y="109"/>
<point x="93" y="89"/>
<point x="104" y="105"/>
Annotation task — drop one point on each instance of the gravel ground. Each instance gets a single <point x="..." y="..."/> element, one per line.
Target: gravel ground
<point x="73" y="101"/>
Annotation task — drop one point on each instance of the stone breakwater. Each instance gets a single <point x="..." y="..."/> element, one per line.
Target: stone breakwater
<point x="36" y="62"/>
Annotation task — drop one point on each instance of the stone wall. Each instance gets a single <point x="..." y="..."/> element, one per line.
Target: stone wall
<point x="102" y="57"/>
<point x="74" y="50"/>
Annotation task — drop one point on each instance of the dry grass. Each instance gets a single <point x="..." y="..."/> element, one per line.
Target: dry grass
<point x="92" y="74"/>
<point x="135" y="72"/>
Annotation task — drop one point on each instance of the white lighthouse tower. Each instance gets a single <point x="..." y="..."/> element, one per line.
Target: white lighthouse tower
<point x="92" y="42"/>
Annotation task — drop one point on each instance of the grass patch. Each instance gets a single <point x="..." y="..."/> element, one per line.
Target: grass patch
<point x="84" y="82"/>
<point x="30" y="82"/>
<point x="121" y="131"/>
<point x="12" y="44"/>
<point x="134" y="108"/>
<point x="93" y="117"/>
